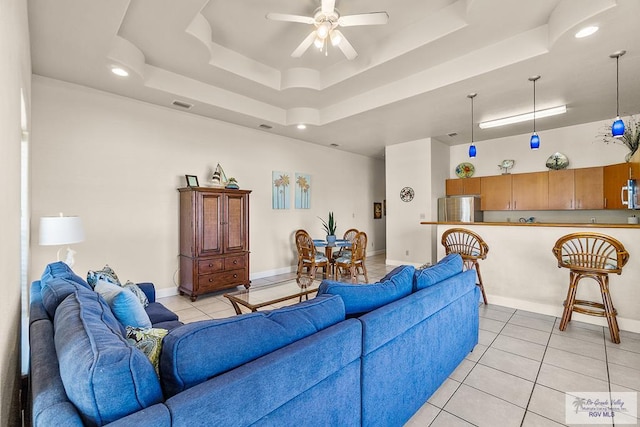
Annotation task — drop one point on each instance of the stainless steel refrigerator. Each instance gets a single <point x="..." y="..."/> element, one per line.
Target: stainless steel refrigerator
<point x="459" y="209"/>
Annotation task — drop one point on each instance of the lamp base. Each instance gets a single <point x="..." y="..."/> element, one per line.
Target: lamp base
<point x="69" y="260"/>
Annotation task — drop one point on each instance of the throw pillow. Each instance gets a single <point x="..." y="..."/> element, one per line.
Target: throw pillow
<point x="137" y="292"/>
<point x="149" y="341"/>
<point x="447" y="267"/>
<point x="106" y="274"/>
<point x="124" y="305"/>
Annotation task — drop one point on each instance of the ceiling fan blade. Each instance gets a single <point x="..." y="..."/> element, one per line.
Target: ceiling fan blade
<point x="373" y="18"/>
<point x="302" y="48"/>
<point x="345" y="46"/>
<point x="328" y="6"/>
<point x="290" y="18"/>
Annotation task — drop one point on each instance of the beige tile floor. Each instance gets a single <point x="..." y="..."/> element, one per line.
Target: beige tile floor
<point x="516" y="376"/>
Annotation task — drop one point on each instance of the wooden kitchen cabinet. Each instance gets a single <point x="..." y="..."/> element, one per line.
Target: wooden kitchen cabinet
<point x="462" y="186"/>
<point x="614" y="178"/>
<point x="562" y="189"/>
<point x="214" y="240"/>
<point x="530" y="191"/>
<point x="495" y="193"/>
<point x="589" y="188"/>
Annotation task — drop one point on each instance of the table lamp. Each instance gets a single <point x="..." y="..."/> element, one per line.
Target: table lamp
<point x="61" y="230"/>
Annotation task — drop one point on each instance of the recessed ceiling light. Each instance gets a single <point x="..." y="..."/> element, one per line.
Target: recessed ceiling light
<point x="302" y="126"/>
<point x="586" y="31"/>
<point x="119" y="71"/>
<point x="333" y="144"/>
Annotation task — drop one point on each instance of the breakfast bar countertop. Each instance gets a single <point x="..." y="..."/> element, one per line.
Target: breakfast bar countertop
<point x="534" y="224"/>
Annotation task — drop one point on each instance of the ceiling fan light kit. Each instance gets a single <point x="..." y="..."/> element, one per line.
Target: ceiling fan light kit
<point x="326" y="19"/>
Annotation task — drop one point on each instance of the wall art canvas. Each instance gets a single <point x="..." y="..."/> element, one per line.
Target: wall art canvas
<point x="280" y="182"/>
<point x="303" y="191"/>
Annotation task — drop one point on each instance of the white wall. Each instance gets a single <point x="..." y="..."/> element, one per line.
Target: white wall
<point x="15" y="75"/>
<point x="117" y="163"/>
<point x="409" y="165"/>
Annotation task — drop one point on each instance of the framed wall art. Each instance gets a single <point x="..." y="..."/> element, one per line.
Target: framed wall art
<point x="377" y="210"/>
<point x="303" y="191"/>
<point x="280" y="197"/>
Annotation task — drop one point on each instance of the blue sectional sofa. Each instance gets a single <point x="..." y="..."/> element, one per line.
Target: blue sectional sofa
<point x="354" y="355"/>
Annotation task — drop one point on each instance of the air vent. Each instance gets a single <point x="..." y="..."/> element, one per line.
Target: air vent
<point x="182" y="104"/>
<point x="263" y="126"/>
<point x="452" y="134"/>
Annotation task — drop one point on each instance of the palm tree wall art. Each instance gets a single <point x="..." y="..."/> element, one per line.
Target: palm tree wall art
<point x="280" y="190"/>
<point x="303" y="191"/>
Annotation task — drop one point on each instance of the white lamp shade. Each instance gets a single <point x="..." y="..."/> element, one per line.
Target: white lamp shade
<point x="60" y="230"/>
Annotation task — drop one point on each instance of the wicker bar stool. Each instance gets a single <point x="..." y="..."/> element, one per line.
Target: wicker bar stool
<point x="595" y="256"/>
<point x="471" y="248"/>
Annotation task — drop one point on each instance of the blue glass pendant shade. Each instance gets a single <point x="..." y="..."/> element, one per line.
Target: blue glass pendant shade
<point x="617" y="128"/>
<point x="472" y="151"/>
<point x="535" y="142"/>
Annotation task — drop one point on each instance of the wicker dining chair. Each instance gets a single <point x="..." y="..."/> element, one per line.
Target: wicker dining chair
<point x="350" y="236"/>
<point x="471" y="248"/>
<point x="355" y="261"/>
<point x="595" y="256"/>
<point x="308" y="257"/>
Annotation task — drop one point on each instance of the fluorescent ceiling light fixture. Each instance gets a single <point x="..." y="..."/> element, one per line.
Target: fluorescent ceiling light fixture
<point x="524" y="117"/>
<point x="586" y="31"/>
<point x="302" y="126"/>
<point x="119" y="71"/>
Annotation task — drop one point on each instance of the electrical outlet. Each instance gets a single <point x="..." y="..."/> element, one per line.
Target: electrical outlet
<point x="406" y="252"/>
<point x="593" y="220"/>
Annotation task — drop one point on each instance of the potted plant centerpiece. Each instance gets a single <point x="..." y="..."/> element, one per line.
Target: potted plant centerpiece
<point x="330" y="228"/>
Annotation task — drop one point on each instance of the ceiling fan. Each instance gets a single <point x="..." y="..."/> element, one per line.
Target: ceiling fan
<point x="326" y="21"/>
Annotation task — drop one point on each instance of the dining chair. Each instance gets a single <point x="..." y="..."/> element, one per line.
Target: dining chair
<point x="471" y="248"/>
<point x="592" y="255"/>
<point x="349" y="236"/>
<point x="308" y="257"/>
<point x="356" y="259"/>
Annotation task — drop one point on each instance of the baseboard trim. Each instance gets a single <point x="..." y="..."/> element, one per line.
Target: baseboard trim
<point x="630" y="325"/>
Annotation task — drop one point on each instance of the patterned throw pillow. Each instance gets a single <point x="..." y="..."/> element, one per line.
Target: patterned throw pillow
<point x="149" y="341"/>
<point x="107" y="274"/>
<point x="137" y="292"/>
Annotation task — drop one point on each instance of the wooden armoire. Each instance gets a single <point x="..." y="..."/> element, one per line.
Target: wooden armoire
<point x="214" y="240"/>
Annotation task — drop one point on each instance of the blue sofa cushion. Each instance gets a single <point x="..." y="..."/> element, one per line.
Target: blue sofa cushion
<point x="448" y="266"/>
<point x="61" y="270"/>
<point x="361" y="298"/>
<point x="104" y="376"/>
<point x="124" y="304"/>
<point x="158" y="313"/>
<point x="56" y="289"/>
<point x="195" y="352"/>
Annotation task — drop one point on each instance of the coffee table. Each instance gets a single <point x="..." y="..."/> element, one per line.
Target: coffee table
<point x="261" y="296"/>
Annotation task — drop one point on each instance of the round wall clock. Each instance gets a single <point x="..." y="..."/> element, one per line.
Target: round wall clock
<point x="406" y="194"/>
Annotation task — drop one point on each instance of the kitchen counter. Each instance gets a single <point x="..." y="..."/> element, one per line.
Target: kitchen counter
<point x="520" y="270"/>
<point x="532" y="224"/>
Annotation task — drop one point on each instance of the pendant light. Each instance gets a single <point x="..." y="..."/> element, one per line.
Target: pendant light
<point x="472" y="148"/>
<point x="534" y="143"/>
<point x="617" y="128"/>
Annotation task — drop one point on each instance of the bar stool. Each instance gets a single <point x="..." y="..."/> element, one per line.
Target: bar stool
<point x="595" y="256"/>
<point x="471" y="248"/>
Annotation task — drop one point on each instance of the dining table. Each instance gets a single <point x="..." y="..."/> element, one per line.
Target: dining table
<point x="329" y="247"/>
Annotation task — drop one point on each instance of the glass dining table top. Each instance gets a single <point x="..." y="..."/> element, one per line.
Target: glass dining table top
<point x="340" y="243"/>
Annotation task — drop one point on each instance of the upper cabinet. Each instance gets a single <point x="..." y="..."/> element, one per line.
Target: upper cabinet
<point x="495" y="193"/>
<point x="615" y="177"/>
<point x="589" y="188"/>
<point x="567" y="189"/>
<point x="562" y="189"/>
<point x="462" y="186"/>
<point x="530" y="191"/>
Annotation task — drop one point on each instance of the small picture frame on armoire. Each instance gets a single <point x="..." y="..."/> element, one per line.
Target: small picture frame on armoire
<point x="192" y="181"/>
